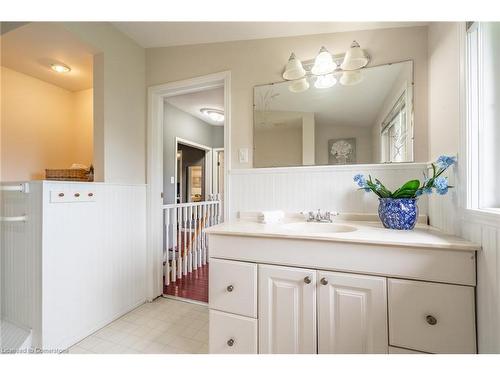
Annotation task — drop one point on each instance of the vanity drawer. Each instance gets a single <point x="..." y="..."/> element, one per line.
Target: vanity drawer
<point x="431" y="317"/>
<point x="232" y="334"/>
<point x="233" y="287"/>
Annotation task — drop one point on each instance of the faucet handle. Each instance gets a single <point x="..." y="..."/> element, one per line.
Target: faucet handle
<point x="307" y="215"/>
<point x="329" y="215"/>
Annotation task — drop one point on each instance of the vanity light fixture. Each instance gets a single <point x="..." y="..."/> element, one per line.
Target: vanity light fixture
<point x="294" y="69"/>
<point x="325" y="82"/>
<point x="351" y="78"/>
<point x="323" y="64"/>
<point x="60" y="68"/>
<point x="299" y="85"/>
<point x="355" y="58"/>
<point x="216" y="115"/>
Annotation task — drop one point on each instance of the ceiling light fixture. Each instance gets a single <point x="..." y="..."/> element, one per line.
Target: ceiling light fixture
<point x="216" y="115"/>
<point x="60" y="68"/>
<point x="294" y="69"/>
<point x="325" y="82"/>
<point x="323" y="64"/>
<point x="355" y="58"/>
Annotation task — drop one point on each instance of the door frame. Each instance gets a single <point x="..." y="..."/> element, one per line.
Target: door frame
<point x="156" y="96"/>
<point x="215" y="181"/>
<point x="208" y="163"/>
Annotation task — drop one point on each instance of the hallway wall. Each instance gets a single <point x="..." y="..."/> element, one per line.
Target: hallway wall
<point x="181" y="124"/>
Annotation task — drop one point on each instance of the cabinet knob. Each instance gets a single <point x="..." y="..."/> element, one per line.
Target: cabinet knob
<point x="77" y="195"/>
<point x="431" y="320"/>
<point x="61" y="194"/>
<point x="324" y="281"/>
<point x="230" y="342"/>
<point x="230" y="288"/>
<point x="307" y="280"/>
<point x="91" y="194"/>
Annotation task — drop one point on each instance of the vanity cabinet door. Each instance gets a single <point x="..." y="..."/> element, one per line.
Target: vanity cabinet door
<point x="352" y="313"/>
<point x="287" y="310"/>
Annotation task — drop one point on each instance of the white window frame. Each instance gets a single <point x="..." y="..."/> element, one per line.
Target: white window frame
<point x="473" y="80"/>
<point x="400" y="106"/>
<point x="471" y="119"/>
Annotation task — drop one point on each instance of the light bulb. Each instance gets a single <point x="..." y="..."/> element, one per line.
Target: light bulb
<point x="325" y="82"/>
<point x="323" y="64"/>
<point x="60" y="68"/>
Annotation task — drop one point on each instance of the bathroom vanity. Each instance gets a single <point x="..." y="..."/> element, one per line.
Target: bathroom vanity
<point x="345" y="287"/>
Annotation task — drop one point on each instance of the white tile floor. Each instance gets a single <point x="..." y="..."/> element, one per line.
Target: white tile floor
<point x="164" y="326"/>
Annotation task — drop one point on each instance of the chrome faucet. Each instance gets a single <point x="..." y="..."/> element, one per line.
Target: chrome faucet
<point x="318" y="217"/>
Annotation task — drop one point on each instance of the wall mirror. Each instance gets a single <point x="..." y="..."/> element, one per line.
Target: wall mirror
<point x="358" y="117"/>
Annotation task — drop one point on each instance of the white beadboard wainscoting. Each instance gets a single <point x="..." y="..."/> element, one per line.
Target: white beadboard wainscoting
<point x="483" y="228"/>
<point x="78" y="262"/>
<point x="332" y="188"/>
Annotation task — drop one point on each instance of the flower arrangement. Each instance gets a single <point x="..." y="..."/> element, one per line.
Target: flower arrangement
<point x="412" y="188"/>
<point x="398" y="209"/>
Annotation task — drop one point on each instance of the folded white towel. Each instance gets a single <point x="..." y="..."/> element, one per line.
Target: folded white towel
<point x="271" y="217"/>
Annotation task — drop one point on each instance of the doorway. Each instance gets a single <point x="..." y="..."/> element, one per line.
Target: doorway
<point x="156" y="176"/>
<point x="193" y="178"/>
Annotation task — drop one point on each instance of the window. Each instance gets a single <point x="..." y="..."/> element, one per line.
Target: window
<point x="483" y="115"/>
<point x="395" y="134"/>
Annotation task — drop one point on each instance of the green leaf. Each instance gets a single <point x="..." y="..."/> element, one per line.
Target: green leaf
<point x="408" y="189"/>
<point x="384" y="192"/>
<point x="405" y="194"/>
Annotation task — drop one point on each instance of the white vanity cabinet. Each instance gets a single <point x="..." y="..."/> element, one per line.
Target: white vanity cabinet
<point x="273" y="294"/>
<point x="352" y="314"/>
<point x="287" y="310"/>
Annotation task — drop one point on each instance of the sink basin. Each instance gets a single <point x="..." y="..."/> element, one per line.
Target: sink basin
<point x="315" y="228"/>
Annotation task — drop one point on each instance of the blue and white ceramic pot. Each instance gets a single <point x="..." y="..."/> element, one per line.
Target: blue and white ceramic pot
<point x="399" y="213"/>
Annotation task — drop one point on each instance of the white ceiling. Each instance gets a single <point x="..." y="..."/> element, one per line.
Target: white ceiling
<point x="32" y="48"/>
<point x="356" y="105"/>
<point x="166" y="34"/>
<point x="192" y="103"/>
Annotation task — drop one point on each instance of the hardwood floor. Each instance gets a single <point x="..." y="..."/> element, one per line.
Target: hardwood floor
<point x="192" y="286"/>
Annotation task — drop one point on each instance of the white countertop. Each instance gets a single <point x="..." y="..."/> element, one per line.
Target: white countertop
<point x="367" y="232"/>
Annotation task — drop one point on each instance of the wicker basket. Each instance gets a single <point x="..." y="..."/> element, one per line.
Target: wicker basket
<point x="67" y="174"/>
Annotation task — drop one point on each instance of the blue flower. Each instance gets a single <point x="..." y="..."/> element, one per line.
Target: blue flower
<point x="444" y="161"/>
<point x="441" y="185"/>
<point x="360" y="180"/>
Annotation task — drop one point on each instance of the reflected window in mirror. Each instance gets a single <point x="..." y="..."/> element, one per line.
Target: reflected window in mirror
<point x="395" y="134"/>
<point x="365" y="117"/>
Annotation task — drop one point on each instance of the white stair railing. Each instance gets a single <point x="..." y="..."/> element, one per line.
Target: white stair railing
<point x="185" y="242"/>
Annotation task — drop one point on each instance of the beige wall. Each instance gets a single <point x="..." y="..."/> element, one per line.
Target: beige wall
<point x="444" y="57"/>
<point x="83" y="126"/>
<point x="119" y="102"/>
<point x="279" y="146"/>
<point x="257" y="62"/>
<point x="43" y="126"/>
